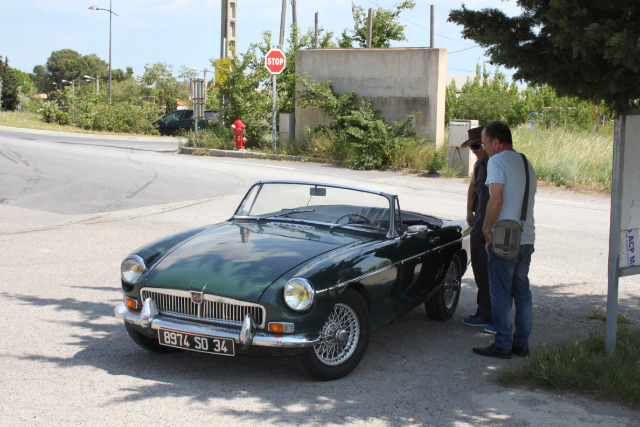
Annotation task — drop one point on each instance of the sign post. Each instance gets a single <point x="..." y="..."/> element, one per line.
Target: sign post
<point x="275" y="61"/>
<point x="624" y="230"/>
<point x="196" y="93"/>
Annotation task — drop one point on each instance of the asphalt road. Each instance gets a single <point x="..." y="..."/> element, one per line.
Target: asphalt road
<point x="71" y="207"/>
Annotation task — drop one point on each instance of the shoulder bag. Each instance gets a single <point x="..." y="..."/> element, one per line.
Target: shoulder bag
<point x="507" y="233"/>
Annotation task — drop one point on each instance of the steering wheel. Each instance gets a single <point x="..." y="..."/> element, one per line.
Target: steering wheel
<point x="359" y="216"/>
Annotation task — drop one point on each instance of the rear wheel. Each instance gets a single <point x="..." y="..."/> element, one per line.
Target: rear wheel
<point x="443" y="304"/>
<point x="343" y="340"/>
<point x="149" y="344"/>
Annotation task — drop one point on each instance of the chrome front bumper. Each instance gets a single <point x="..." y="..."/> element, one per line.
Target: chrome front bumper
<point x="246" y="336"/>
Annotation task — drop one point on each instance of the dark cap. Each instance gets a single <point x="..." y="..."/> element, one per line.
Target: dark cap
<point x="474" y="135"/>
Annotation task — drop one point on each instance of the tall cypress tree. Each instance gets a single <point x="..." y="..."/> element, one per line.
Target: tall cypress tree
<point x="9" y="86"/>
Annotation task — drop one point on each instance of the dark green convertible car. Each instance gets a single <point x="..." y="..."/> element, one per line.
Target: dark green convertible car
<point x="300" y="268"/>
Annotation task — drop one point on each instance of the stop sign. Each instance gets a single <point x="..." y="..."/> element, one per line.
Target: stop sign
<point x="275" y="61"/>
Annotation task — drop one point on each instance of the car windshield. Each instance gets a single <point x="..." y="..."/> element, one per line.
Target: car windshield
<point x="308" y="202"/>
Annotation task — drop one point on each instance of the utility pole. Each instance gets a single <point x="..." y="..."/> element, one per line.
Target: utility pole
<point x="315" y="43"/>
<point x="228" y="27"/>
<point x="369" y="27"/>
<point x="431" y="29"/>
<point x="283" y="18"/>
<point x="293" y="13"/>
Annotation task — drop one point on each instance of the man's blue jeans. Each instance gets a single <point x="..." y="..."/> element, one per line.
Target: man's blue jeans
<point x="507" y="279"/>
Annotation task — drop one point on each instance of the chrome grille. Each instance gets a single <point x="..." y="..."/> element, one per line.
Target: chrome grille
<point x="212" y="309"/>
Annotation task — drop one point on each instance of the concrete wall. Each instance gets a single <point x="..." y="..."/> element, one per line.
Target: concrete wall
<point x="398" y="81"/>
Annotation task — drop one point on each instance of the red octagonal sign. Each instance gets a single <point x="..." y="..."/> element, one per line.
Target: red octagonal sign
<point x="275" y="61"/>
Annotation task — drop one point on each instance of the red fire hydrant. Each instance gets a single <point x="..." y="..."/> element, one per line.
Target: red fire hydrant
<point x="238" y="127"/>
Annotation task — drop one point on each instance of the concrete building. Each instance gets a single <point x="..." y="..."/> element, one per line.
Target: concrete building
<point x="398" y="82"/>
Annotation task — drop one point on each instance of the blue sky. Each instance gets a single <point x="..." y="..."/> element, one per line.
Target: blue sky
<point x="187" y="32"/>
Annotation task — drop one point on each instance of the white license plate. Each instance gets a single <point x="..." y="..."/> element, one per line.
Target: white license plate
<point x="194" y="342"/>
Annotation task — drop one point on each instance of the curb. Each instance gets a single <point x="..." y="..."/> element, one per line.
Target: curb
<point x="239" y="154"/>
<point x="95" y="135"/>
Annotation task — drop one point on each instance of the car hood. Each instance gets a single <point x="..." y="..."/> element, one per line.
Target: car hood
<point x="241" y="260"/>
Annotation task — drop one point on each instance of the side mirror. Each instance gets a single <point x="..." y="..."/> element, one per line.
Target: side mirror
<point x="418" y="228"/>
<point x="412" y="230"/>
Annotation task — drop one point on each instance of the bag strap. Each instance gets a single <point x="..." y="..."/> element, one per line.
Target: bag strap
<point x="525" y="198"/>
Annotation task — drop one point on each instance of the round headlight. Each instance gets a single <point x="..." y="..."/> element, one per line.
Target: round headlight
<point x="132" y="267"/>
<point x="298" y="294"/>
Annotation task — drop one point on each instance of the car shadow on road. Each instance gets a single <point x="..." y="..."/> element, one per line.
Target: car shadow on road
<point x="415" y="371"/>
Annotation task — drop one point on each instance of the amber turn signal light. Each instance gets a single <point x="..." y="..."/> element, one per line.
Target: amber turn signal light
<point x="131" y="303"/>
<point x="280" y="327"/>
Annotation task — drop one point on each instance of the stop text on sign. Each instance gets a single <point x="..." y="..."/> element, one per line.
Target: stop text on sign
<point x="275" y="61"/>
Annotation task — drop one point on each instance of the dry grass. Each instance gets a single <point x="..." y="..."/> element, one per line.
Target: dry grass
<point x="26" y="120"/>
<point x="576" y="159"/>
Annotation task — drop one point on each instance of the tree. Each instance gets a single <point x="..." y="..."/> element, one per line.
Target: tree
<point x="384" y="28"/>
<point x="9" y="95"/>
<point x="24" y="81"/>
<point x="246" y="92"/>
<point x="159" y="81"/>
<point x="94" y="66"/>
<point x="66" y="64"/>
<point x="486" y="99"/>
<point x="287" y="79"/>
<point x="188" y="73"/>
<point x="588" y="49"/>
<point x="42" y="80"/>
<point x="118" y="75"/>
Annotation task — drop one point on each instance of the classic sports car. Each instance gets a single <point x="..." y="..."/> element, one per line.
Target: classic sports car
<point x="300" y="268"/>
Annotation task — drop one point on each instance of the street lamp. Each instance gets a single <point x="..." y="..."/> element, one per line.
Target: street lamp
<point x="73" y="85"/>
<point x="111" y="12"/>
<point x="96" y="78"/>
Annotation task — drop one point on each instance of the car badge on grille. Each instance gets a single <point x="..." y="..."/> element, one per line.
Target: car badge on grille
<point x="196" y="297"/>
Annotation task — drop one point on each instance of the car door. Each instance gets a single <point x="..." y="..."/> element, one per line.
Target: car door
<point x="186" y="119"/>
<point x="170" y="121"/>
<point x="420" y="266"/>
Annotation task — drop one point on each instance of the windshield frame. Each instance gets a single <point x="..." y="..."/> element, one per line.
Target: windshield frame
<point x="248" y="201"/>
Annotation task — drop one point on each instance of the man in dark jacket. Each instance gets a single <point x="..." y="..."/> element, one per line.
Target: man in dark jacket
<point x="477" y="198"/>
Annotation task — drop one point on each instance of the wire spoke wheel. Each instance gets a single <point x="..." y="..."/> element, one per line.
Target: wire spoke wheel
<point x="339" y="336"/>
<point x="443" y="304"/>
<point x="452" y="284"/>
<point x="342" y="340"/>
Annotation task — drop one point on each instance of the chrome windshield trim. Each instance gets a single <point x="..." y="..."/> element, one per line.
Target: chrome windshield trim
<point x="323" y="184"/>
<point x="391" y="199"/>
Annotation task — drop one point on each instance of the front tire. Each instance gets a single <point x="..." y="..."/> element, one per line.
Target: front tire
<point x="146" y="342"/>
<point x="443" y="304"/>
<point x="343" y="340"/>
